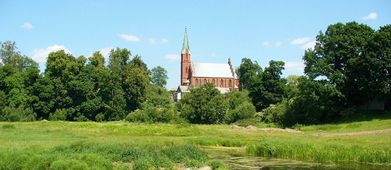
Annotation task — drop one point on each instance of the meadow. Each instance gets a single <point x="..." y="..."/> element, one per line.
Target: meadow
<point x="122" y="145"/>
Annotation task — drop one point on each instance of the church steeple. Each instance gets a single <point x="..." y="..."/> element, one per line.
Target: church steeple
<point x="185" y="46"/>
<point x="185" y="61"/>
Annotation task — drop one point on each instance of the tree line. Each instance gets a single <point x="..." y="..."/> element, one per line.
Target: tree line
<point x="91" y="89"/>
<point x="349" y="68"/>
<point x="73" y="88"/>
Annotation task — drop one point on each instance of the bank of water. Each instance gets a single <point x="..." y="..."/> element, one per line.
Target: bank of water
<point x="235" y="158"/>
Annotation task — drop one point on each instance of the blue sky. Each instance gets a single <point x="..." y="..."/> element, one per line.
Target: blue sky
<point x="260" y="30"/>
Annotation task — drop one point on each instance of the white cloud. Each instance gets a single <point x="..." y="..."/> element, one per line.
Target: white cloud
<point x="154" y="41"/>
<point x="295" y="66"/>
<point x="27" y="26"/>
<point x="130" y="38"/>
<point x="277" y="44"/>
<point x="304" y="42"/>
<point x="300" y="41"/>
<point x="40" y="55"/>
<point x="172" y="57"/>
<point x="266" y="44"/>
<point x="370" y="16"/>
<point x="309" y="44"/>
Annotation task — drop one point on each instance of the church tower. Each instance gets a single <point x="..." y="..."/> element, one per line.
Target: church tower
<point x="185" y="61"/>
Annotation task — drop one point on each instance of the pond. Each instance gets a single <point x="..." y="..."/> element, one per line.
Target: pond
<point x="236" y="159"/>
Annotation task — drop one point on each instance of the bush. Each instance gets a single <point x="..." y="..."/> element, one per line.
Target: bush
<point x="245" y="110"/>
<point x="100" y="117"/>
<point x="138" y="116"/>
<point x="203" y="105"/>
<point x="18" y="114"/>
<point x="275" y="113"/>
<point x="152" y="114"/>
<point x="59" y="114"/>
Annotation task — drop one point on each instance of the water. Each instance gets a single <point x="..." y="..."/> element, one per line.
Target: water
<point x="235" y="159"/>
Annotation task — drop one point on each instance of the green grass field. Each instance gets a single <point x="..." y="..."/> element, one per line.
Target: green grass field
<point x="122" y="145"/>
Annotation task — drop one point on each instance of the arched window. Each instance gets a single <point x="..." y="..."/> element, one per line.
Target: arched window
<point x="214" y="82"/>
<point x="205" y="81"/>
<point x="230" y="83"/>
<point x="196" y="82"/>
<point x="221" y="83"/>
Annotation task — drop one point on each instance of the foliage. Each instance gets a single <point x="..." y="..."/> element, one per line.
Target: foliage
<point x="158" y="107"/>
<point x="71" y="88"/>
<point x="203" y="105"/>
<point x="353" y="58"/>
<point x="17" y="114"/>
<point x="159" y="76"/>
<point x="276" y="113"/>
<point x="240" y="106"/>
<point x="101" y="156"/>
<point x="265" y="88"/>
<point x="59" y="114"/>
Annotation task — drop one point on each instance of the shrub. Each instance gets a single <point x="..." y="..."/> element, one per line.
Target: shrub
<point x="138" y="116"/>
<point x="203" y="105"/>
<point x="100" y="117"/>
<point x="59" y="114"/>
<point x="245" y="110"/>
<point x="275" y="113"/>
<point x="18" y="114"/>
<point x="150" y="114"/>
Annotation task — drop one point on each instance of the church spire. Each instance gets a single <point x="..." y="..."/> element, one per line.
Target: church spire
<point x="185" y="46"/>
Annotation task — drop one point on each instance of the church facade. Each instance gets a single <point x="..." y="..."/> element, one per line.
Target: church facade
<point x="222" y="75"/>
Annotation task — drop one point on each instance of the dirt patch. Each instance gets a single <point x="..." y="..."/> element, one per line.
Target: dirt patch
<point x="254" y="128"/>
<point x="370" y="132"/>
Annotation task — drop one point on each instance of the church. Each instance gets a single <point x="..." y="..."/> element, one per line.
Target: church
<point x="222" y="75"/>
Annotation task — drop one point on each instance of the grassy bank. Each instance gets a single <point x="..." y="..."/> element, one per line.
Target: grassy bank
<point x="120" y="145"/>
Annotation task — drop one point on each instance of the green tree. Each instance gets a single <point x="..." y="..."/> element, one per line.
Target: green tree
<point x="315" y="102"/>
<point x="270" y="87"/>
<point x="341" y="56"/>
<point x="247" y="73"/>
<point x="159" y="76"/>
<point x="239" y="106"/>
<point x="135" y="83"/>
<point x="203" y="105"/>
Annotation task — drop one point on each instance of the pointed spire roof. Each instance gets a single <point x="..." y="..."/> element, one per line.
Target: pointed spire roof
<point x="185" y="46"/>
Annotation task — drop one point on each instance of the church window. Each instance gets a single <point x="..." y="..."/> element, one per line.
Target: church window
<point x="230" y="83"/>
<point x="221" y="83"/>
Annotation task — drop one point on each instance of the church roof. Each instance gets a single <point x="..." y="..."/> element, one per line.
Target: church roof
<point x="212" y="70"/>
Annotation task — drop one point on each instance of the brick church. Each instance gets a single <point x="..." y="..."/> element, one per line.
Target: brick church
<point x="222" y="75"/>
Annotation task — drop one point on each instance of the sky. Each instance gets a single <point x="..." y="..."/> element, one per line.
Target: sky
<point x="257" y="29"/>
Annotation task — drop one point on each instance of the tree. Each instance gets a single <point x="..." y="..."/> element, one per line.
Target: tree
<point x="270" y="87"/>
<point x="17" y="75"/>
<point x="239" y="106"/>
<point x="379" y="60"/>
<point x="135" y="83"/>
<point x="204" y="105"/>
<point x="159" y="76"/>
<point x="341" y="56"/>
<point x="247" y="73"/>
<point x="315" y="102"/>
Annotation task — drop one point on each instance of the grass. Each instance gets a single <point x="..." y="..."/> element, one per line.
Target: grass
<point x="120" y="145"/>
